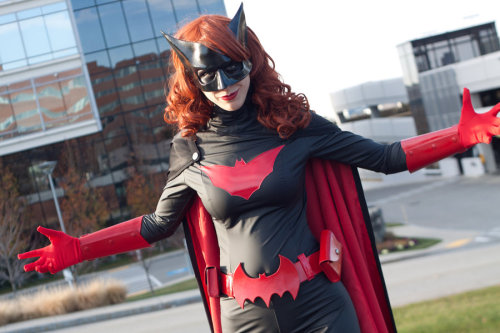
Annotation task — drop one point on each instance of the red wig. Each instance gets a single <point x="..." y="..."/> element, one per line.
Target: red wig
<point x="278" y="107"/>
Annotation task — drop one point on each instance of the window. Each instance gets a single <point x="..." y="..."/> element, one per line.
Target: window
<point x="36" y="35"/>
<point x="113" y="24"/>
<point x="138" y="20"/>
<point x="43" y="103"/>
<point x="89" y="29"/>
<point x="163" y="17"/>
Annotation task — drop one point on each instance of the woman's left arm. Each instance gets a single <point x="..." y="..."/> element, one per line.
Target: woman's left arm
<point x="472" y="129"/>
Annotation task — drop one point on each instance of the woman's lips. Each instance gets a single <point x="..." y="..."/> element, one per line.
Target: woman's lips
<point x="230" y="96"/>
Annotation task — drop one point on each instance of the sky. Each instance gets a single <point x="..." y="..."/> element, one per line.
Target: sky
<point x="321" y="46"/>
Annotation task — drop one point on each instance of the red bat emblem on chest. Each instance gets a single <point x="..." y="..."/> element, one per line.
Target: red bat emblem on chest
<point x="243" y="179"/>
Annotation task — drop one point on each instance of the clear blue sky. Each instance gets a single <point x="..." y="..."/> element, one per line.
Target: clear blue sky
<point x="321" y="46"/>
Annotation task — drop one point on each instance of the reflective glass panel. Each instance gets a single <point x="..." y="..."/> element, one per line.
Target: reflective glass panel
<point x="163" y="16"/>
<point x="97" y="61"/>
<point x="113" y="24"/>
<point x="7" y="121"/>
<point x="129" y="88"/>
<point x="10" y="35"/>
<point x="76" y="99"/>
<point x="212" y="7"/>
<point x="121" y="56"/>
<point x="51" y="104"/>
<point x="7" y="18"/>
<point x="138" y="20"/>
<point x="105" y="93"/>
<point x="146" y="49"/>
<point x="60" y="31"/>
<point x="152" y="81"/>
<point x="186" y="11"/>
<point x="89" y="29"/>
<point x="115" y="126"/>
<point x="32" y="12"/>
<point x="25" y="110"/>
<point x="34" y="36"/>
<point x="466" y="48"/>
<point x="77" y="4"/>
<point x="163" y="46"/>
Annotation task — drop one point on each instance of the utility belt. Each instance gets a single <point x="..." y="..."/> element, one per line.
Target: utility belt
<point x="288" y="277"/>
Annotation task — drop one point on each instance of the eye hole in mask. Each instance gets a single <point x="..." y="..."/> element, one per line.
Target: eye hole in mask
<point x="232" y="70"/>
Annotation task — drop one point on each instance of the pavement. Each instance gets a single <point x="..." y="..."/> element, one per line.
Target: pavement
<point x="450" y="240"/>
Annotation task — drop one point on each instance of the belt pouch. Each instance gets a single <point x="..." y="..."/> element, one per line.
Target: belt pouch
<point x="330" y="255"/>
<point x="212" y="281"/>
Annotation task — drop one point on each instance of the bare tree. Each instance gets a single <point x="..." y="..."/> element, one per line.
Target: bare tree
<point x="12" y="241"/>
<point x="84" y="209"/>
<point x="141" y="198"/>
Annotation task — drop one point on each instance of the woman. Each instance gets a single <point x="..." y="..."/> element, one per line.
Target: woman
<point x="243" y="146"/>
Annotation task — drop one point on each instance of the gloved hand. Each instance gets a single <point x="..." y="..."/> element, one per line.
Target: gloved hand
<point x="475" y="127"/>
<point x="63" y="252"/>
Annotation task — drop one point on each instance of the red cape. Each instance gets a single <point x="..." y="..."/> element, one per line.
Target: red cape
<point x="335" y="201"/>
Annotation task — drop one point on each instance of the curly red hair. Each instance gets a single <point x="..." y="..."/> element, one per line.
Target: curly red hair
<point x="278" y="107"/>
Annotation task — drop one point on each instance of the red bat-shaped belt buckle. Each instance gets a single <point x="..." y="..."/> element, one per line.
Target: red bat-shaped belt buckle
<point x="286" y="278"/>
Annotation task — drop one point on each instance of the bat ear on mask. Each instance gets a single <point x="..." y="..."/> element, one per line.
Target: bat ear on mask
<point x="238" y="26"/>
<point x="187" y="51"/>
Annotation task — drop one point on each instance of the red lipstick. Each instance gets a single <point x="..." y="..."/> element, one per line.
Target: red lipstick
<point x="230" y="96"/>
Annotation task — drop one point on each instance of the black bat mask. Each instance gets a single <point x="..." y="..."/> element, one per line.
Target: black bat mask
<point x="211" y="70"/>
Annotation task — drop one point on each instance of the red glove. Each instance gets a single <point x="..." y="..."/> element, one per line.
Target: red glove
<point x="63" y="252"/>
<point x="475" y="127"/>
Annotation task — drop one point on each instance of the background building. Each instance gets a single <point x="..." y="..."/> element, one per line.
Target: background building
<point x="82" y="83"/>
<point x="435" y="70"/>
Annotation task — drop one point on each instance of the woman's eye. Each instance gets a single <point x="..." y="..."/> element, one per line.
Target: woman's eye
<point x="206" y="77"/>
<point x="234" y="67"/>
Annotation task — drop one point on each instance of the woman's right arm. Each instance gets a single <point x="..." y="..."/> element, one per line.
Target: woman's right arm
<point x="140" y="232"/>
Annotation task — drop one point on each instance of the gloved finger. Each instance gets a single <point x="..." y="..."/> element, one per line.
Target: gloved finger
<point x="494" y="129"/>
<point x="30" y="267"/>
<point x="495" y="111"/>
<point x="51" y="268"/>
<point x="466" y="102"/>
<point x="41" y="269"/>
<point x="31" y="254"/>
<point x="42" y="265"/>
<point x="49" y="233"/>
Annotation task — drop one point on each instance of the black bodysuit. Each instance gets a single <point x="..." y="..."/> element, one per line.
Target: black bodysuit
<point x="260" y="212"/>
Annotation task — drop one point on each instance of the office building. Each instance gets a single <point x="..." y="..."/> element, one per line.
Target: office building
<point x="82" y="82"/>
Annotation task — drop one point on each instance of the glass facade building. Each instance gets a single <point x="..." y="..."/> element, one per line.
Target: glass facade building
<point x="422" y="58"/>
<point x="119" y="85"/>
<point x="45" y="93"/>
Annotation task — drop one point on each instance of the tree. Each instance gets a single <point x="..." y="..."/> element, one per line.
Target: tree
<point x="83" y="207"/>
<point x="13" y="210"/>
<point x="141" y="199"/>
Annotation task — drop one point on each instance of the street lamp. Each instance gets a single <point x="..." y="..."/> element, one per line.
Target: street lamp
<point x="47" y="168"/>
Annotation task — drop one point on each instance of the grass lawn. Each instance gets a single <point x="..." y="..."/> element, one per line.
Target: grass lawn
<point x="476" y="311"/>
<point x="181" y="286"/>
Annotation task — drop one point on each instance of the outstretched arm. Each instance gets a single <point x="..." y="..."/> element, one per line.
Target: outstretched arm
<point x="473" y="128"/>
<point x="65" y="251"/>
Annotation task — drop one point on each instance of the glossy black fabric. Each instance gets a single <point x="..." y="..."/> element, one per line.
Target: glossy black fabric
<point x="272" y="221"/>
